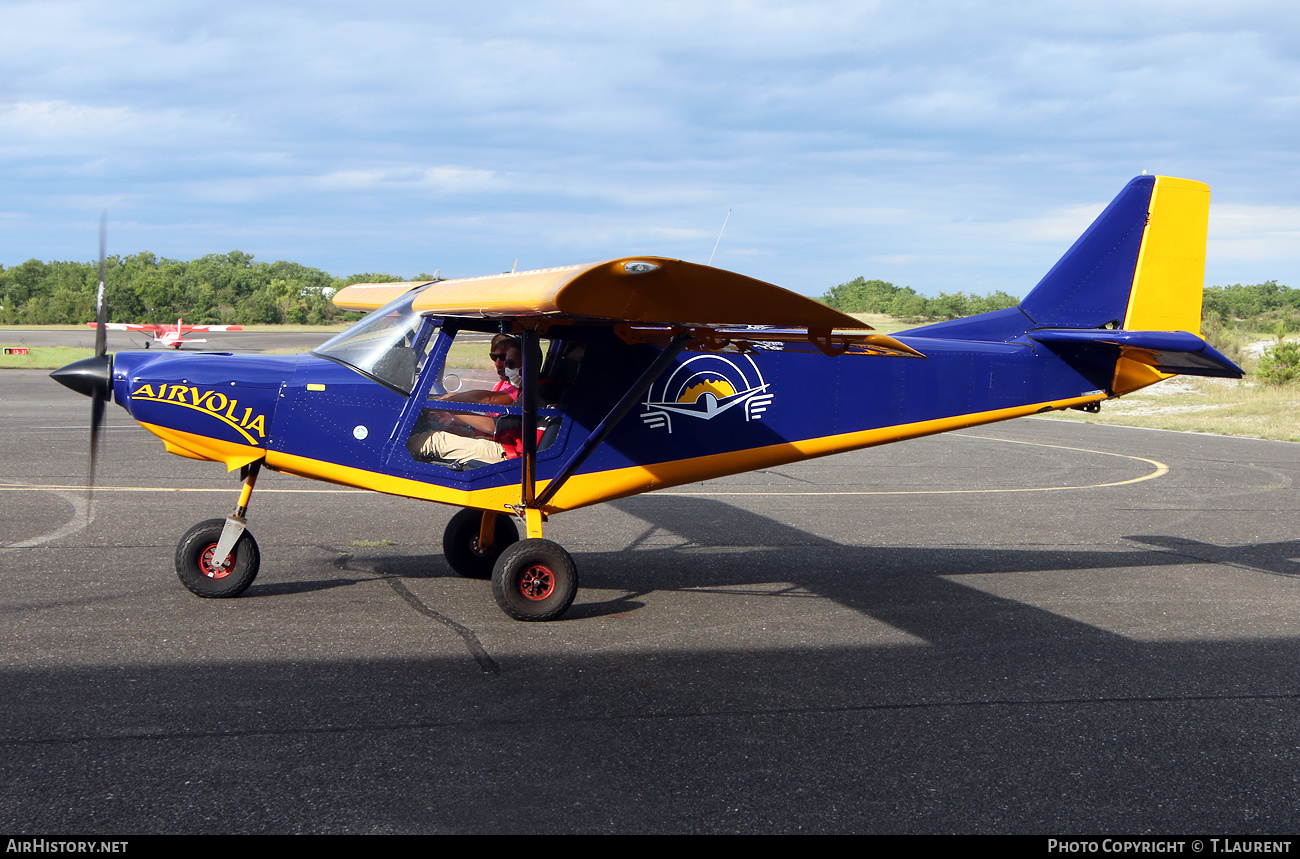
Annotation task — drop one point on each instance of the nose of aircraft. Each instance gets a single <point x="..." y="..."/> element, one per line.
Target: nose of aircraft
<point x="89" y="376"/>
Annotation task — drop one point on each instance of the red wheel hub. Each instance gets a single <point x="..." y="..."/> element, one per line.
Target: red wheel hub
<point x="212" y="571"/>
<point x="537" y="582"/>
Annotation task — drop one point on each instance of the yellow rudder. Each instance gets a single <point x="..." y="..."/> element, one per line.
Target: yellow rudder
<point x="1169" y="281"/>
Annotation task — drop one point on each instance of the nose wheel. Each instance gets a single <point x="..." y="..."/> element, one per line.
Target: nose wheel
<point x="218" y="558"/>
<point x="198" y="571"/>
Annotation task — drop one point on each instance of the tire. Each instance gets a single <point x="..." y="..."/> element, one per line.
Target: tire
<point x="460" y="543"/>
<point x="196" y="571"/>
<point x="534" y="580"/>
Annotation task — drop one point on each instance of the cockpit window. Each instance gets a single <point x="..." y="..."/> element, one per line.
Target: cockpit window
<point x="471" y="416"/>
<point x="386" y="345"/>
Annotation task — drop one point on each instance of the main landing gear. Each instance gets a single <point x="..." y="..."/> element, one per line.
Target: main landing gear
<point x="219" y="558"/>
<point x="474" y="539"/>
<point x="533" y="579"/>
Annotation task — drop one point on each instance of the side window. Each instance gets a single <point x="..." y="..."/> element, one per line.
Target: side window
<point x="470" y="365"/>
<point x="470" y="416"/>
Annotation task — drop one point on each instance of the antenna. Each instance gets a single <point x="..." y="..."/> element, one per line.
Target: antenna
<point x="720" y="232"/>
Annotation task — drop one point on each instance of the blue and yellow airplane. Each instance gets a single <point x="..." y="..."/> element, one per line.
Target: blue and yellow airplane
<point x="642" y="373"/>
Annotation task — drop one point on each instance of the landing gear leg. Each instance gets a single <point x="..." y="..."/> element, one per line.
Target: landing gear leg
<point x="533" y="579"/>
<point x="219" y="557"/>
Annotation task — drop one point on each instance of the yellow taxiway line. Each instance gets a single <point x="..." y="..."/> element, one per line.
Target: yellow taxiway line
<point x="1159" y="469"/>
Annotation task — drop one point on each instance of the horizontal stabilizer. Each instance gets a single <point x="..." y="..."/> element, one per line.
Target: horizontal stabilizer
<point x="1166" y="351"/>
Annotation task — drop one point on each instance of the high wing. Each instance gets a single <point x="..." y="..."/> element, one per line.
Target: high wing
<point x="128" y="326"/>
<point x="678" y="306"/>
<point x="647" y="299"/>
<point x="147" y="326"/>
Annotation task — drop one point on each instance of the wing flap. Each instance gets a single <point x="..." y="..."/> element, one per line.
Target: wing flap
<point x="829" y="342"/>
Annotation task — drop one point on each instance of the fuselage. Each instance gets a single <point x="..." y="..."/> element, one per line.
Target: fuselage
<point x="708" y="415"/>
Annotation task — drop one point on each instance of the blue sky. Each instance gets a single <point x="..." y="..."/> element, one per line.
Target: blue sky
<point x="949" y="146"/>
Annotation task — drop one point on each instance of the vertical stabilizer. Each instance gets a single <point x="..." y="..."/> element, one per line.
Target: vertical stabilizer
<point x="1139" y="266"/>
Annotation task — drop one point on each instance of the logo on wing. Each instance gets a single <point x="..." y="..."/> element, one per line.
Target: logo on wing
<point x="705" y="387"/>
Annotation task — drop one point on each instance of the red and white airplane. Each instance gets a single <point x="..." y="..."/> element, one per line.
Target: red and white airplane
<point x="167" y="335"/>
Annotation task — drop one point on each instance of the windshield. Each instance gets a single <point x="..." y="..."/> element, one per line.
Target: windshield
<point x="383" y="345"/>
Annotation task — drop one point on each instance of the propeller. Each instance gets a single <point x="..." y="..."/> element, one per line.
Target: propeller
<point x="94" y="376"/>
<point x="101" y="395"/>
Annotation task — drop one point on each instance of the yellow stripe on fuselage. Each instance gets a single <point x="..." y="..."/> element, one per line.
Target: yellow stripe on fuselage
<point x="586" y="489"/>
<point x="203" y="447"/>
<point x="583" y="490"/>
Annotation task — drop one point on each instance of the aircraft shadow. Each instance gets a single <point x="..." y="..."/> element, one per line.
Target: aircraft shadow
<point x="995" y="716"/>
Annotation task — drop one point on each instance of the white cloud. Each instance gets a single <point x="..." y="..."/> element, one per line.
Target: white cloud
<point x="1263" y="241"/>
<point x="57" y="120"/>
<point x="875" y="138"/>
<point x="443" y="179"/>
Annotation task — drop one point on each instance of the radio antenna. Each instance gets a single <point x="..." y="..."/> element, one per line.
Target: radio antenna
<point x="720" y="232"/>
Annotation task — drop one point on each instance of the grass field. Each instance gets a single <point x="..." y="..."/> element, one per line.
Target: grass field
<point x="466" y="355"/>
<point x="289" y="329"/>
<point x="882" y="323"/>
<point x="1219" y="406"/>
<point x="44" y="358"/>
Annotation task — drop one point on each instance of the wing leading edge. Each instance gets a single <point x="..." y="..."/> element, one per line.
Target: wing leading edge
<point x="647" y="300"/>
<point x="650" y="290"/>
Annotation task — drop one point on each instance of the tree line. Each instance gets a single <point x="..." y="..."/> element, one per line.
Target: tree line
<point x="217" y="289"/>
<point x="1260" y="307"/>
<point x="878" y="296"/>
<point x="234" y="288"/>
<point x="1263" y="306"/>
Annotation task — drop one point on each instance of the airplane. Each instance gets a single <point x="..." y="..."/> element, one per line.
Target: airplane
<point x="645" y="372"/>
<point x="166" y="335"/>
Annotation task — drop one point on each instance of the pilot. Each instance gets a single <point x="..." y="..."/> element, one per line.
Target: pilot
<point x="472" y="436"/>
<point x="510" y="377"/>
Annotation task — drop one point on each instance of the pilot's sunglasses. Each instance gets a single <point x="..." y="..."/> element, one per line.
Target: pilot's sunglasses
<point x="497" y="356"/>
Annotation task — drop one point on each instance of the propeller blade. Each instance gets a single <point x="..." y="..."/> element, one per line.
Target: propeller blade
<point x="96" y="421"/>
<point x="101" y="306"/>
<point x="101" y="392"/>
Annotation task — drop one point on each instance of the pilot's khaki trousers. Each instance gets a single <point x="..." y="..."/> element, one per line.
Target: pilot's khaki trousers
<point x="457" y="448"/>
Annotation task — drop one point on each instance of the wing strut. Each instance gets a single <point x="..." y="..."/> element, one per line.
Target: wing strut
<point x="606" y="426"/>
<point x="532" y="355"/>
